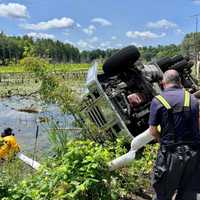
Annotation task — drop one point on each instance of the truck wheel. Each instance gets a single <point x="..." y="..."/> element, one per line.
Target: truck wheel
<point x="122" y="60"/>
<point x="179" y="66"/>
<point x="164" y="63"/>
<point x="176" y="59"/>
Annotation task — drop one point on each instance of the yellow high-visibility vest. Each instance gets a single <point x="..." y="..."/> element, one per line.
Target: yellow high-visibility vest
<point x="164" y="102"/>
<point x="9" y="147"/>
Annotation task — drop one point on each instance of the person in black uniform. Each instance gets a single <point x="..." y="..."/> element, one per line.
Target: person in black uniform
<point x="177" y="168"/>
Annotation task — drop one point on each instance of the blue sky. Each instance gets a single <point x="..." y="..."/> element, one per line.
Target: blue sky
<point x="91" y="24"/>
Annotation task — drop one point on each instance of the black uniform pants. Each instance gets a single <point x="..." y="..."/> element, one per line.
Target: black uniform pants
<point x="177" y="170"/>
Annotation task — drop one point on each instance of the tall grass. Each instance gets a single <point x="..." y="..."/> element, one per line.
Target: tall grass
<point x="51" y="68"/>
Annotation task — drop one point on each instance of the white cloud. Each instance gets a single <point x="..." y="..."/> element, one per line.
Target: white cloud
<point x="13" y="10"/>
<point x="136" y="44"/>
<point x="101" y="21"/>
<point x="119" y="45"/>
<point x="105" y="45"/>
<point x="51" y="24"/>
<point x="70" y="42"/>
<point x="78" y="25"/>
<point x="41" y="35"/>
<point x="146" y="35"/>
<point x="83" y="45"/>
<point x="179" y="31"/>
<point x="196" y="1"/>
<point x="66" y="33"/>
<point x="162" y="24"/>
<point x="94" y="39"/>
<point x="113" y="37"/>
<point x="89" y="30"/>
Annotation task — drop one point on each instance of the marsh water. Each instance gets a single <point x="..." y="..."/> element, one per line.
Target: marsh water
<point x="24" y="124"/>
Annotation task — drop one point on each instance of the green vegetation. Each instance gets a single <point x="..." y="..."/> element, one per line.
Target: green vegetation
<point x="78" y="174"/>
<point x="190" y="43"/>
<point x="15" y="48"/>
<point x="61" y="56"/>
<point x="149" y="53"/>
<point x="12" y="49"/>
<point x="81" y="172"/>
<point x="51" y="68"/>
<point x="79" y="167"/>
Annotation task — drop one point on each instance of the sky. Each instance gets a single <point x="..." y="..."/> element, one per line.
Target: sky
<point x="92" y="24"/>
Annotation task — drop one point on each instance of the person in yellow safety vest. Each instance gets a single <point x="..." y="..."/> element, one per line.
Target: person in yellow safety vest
<point x="8" y="145"/>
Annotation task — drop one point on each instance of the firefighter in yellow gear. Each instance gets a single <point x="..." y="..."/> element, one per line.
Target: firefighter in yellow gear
<point x="8" y="145"/>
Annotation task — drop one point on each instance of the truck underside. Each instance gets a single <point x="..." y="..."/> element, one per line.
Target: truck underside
<point x="118" y="100"/>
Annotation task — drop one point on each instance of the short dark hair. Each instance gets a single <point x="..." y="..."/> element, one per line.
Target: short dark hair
<point x="7" y="132"/>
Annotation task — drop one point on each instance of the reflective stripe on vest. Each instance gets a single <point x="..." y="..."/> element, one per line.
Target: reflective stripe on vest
<point x="164" y="102"/>
<point x="186" y="99"/>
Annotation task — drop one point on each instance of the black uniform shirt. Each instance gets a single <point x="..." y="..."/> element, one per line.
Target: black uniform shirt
<point x="175" y="97"/>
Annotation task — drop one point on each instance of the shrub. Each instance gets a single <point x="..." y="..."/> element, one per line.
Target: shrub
<point x="81" y="173"/>
<point x="35" y="65"/>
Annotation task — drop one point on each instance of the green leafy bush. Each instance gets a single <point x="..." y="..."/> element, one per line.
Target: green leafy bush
<point x="79" y="169"/>
<point x="12" y="173"/>
<point x="135" y="179"/>
<point x="35" y="64"/>
<point x="81" y="173"/>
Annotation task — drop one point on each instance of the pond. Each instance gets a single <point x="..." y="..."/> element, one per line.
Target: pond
<point x="24" y="124"/>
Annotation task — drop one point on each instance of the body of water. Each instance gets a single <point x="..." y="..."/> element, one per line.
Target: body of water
<point x="24" y="124"/>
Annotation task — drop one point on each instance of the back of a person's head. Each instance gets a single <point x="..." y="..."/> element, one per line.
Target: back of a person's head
<point x="171" y="77"/>
<point x="7" y="132"/>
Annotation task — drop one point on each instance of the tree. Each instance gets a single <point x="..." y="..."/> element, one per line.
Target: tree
<point x="190" y="43"/>
<point x="168" y="51"/>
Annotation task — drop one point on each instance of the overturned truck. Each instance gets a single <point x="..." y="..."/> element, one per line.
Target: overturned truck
<point x="118" y="100"/>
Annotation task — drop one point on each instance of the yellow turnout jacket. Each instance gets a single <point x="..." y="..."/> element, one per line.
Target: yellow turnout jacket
<point x="8" y="147"/>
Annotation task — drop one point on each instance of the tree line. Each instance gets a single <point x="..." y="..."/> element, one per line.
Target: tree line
<point x="14" y="48"/>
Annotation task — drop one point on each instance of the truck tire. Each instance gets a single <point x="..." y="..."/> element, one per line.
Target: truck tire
<point x="122" y="60"/>
<point x="164" y="63"/>
<point x="179" y="66"/>
<point x="177" y="58"/>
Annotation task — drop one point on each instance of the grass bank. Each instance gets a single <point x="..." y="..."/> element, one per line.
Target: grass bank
<point x="51" y="68"/>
